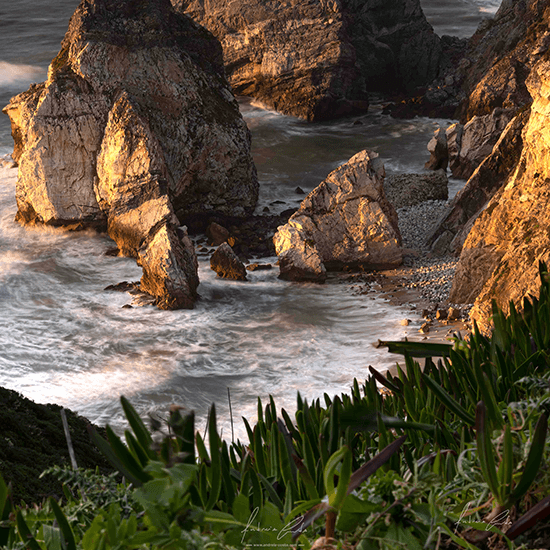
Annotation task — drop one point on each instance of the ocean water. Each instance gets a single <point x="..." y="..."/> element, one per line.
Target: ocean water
<point x="64" y="339"/>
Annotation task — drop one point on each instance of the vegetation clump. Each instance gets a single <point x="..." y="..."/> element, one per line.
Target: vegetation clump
<point x="454" y="455"/>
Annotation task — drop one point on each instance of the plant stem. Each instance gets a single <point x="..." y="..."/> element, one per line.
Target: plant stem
<point x="330" y="525"/>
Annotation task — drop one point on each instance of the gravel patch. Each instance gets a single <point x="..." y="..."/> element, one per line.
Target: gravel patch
<point x="431" y="276"/>
<point x="424" y="281"/>
<point x="417" y="222"/>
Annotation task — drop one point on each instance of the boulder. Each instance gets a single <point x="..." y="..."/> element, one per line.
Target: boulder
<point x="346" y="220"/>
<point x="439" y="156"/>
<point x="217" y="234"/>
<point x="301" y="260"/>
<point x="318" y="59"/>
<point x="411" y="189"/>
<point x="227" y="264"/>
<point x="135" y="130"/>
<point x="500" y="256"/>
<point x="169" y="268"/>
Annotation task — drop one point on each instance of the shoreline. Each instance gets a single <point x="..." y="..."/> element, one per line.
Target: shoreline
<point x="423" y="282"/>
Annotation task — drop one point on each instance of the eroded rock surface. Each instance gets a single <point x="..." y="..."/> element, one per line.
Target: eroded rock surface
<point x="135" y="129"/>
<point x="346" y="220"/>
<point x="469" y="202"/>
<point x="317" y="59"/>
<point x="226" y="263"/>
<point x="500" y="256"/>
<point x="500" y="57"/>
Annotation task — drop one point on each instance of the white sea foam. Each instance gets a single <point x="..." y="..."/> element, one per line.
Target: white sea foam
<point x="14" y="74"/>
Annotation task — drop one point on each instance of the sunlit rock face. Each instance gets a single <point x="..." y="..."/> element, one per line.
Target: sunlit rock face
<point x="135" y="130"/>
<point x="451" y="231"/>
<point x="346" y="220"/>
<point x="317" y="59"/>
<point x="501" y="55"/>
<point x="500" y="256"/>
<point x="486" y="146"/>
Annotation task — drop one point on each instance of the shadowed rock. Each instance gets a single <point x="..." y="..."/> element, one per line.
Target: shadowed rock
<point x="318" y="59"/>
<point x="411" y="189"/>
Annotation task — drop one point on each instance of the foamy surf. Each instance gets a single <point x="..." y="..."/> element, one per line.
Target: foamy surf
<point x="12" y="74"/>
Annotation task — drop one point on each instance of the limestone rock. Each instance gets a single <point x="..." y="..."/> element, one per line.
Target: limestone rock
<point x="346" y="220"/>
<point x="135" y="130"/>
<point x="318" y="59"/>
<point x="411" y="189"/>
<point x="227" y="264"/>
<point x="501" y="253"/>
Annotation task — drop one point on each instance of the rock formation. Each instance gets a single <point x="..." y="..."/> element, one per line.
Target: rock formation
<point x="495" y="106"/>
<point x="346" y="220"/>
<point x="227" y="264"/>
<point x="489" y="84"/>
<point x="501" y="253"/>
<point x="135" y="130"/>
<point x="500" y="56"/>
<point x="463" y="147"/>
<point x="317" y="59"/>
<point x="469" y="202"/>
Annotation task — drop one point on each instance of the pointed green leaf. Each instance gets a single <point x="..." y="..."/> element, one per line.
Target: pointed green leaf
<point x="140" y="430"/>
<point x="533" y="459"/>
<point x="25" y="532"/>
<point x="272" y="494"/>
<point x="506" y="466"/>
<point x="448" y="401"/>
<point x="485" y="451"/>
<point x="216" y="474"/>
<point x="306" y="478"/>
<point x="67" y="532"/>
<point x="343" y="480"/>
<point x="113" y="458"/>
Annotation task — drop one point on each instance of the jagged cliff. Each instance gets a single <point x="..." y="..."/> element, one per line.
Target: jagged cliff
<point x="135" y="130"/>
<point x="317" y="59"/>
<point x="500" y="256"/>
<point x="497" y="222"/>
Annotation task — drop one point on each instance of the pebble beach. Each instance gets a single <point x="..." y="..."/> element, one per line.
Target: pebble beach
<point x="424" y="281"/>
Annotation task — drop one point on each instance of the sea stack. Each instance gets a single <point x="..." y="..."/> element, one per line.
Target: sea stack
<point x="318" y="59"/>
<point x="136" y="130"/>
